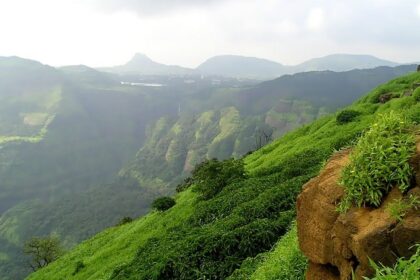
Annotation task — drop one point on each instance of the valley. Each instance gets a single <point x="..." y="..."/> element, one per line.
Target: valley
<point x="81" y="149"/>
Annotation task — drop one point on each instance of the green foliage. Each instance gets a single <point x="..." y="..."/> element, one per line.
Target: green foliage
<point x="404" y="269"/>
<point x="399" y="207"/>
<point x="163" y="203"/>
<point x="211" y="176"/>
<point x="78" y="267"/>
<point x="43" y="251"/>
<point x="380" y="160"/>
<point x="347" y="116"/>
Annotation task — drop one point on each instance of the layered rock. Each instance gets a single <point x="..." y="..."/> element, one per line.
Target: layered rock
<point x="338" y="245"/>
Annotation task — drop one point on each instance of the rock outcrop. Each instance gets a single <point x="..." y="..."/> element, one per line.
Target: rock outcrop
<point x="339" y="244"/>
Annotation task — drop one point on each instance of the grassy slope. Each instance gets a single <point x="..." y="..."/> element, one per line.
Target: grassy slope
<point x="301" y="152"/>
<point x="118" y="245"/>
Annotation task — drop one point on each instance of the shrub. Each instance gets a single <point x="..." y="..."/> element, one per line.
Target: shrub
<point x="124" y="221"/>
<point x="211" y="176"/>
<point x="407" y="269"/>
<point x="79" y="266"/>
<point x="399" y="207"/>
<point x="380" y="160"/>
<point x="347" y="116"/>
<point x="163" y="203"/>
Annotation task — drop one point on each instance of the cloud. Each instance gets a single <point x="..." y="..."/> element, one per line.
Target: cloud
<point x="316" y="19"/>
<point x="186" y="32"/>
<point x="151" y="7"/>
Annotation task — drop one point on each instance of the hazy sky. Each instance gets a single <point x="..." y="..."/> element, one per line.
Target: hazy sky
<point x="186" y="32"/>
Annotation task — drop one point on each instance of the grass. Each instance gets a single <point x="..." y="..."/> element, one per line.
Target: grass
<point x="117" y="245"/>
<point x="399" y="207"/>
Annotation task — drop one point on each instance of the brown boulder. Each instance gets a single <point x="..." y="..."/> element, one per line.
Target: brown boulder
<point x="316" y="219"/>
<point x="339" y="244"/>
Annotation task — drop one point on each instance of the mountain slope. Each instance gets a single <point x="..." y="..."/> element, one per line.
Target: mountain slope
<point x="241" y="66"/>
<point x="342" y="62"/>
<point x="224" y="123"/>
<point x="211" y="237"/>
<point x="250" y="67"/>
<point x="63" y="139"/>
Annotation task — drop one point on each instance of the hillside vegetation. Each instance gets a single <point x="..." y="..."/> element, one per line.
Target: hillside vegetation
<point x="241" y="228"/>
<point x="228" y="122"/>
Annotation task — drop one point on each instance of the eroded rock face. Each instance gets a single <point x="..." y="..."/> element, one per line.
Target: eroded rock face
<point x="338" y="244"/>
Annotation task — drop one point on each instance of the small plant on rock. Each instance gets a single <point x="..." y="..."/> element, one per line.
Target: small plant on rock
<point x="399" y="207"/>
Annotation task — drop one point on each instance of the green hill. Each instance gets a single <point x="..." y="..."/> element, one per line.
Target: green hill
<point x="243" y="228"/>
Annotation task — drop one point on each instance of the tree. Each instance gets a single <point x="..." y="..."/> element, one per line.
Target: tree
<point x="347" y="116"/>
<point x="211" y="176"/>
<point x="43" y="251"/>
<point x="163" y="203"/>
<point x="263" y="137"/>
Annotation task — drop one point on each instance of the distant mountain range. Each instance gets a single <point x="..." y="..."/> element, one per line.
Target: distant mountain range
<point x="249" y="67"/>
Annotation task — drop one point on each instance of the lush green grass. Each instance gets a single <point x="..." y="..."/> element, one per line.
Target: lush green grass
<point x="211" y="238"/>
<point x="116" y="246"/>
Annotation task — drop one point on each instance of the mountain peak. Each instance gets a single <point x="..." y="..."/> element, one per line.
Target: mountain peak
<point x="140" y="59"/>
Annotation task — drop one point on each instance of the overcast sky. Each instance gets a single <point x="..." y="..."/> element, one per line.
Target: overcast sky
<point x="186" y="32"/>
